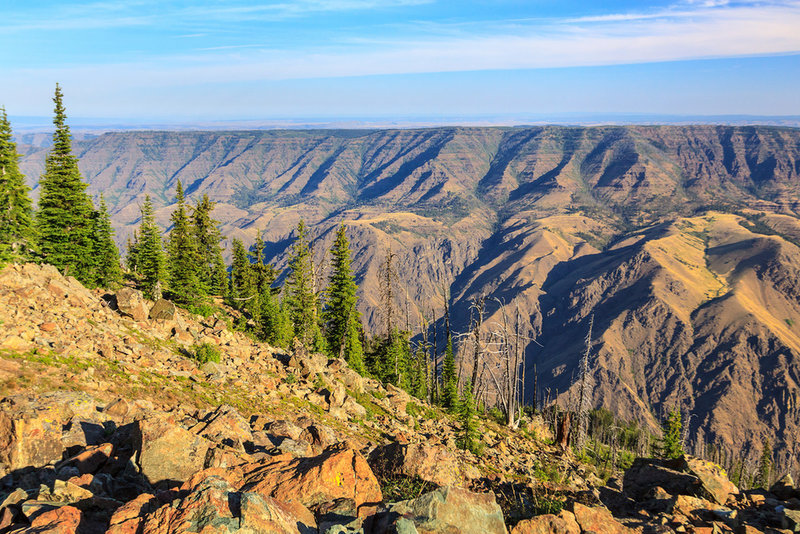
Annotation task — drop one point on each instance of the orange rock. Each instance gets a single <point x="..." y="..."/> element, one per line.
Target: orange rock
<point x="597" y="520"/>
<point x="61" y="520"/>
<point x="563" y="523"/>
<point x="338" y="473"/>
<point x="128" y="518"/>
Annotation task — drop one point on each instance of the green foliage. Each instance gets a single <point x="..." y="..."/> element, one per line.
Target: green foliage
<point x="107" y="271"/>
<point x="341" y="318"/>
<point x="64" y="221"/>
<point x="449" y="378"/>
<point x="149" y="258"/>
<point x="466" y="416"/>
<point x="765" y="465"/>
<point x="301" y="297"/>
<point x="206" y="352"/>
<point x="16" y="213"/>
<point x="210" y="268"/>
<point x="397" y="488"/>
<point x="183" y="255"/>
<point x="673" y="441"/>
<point x="418" y="374"/>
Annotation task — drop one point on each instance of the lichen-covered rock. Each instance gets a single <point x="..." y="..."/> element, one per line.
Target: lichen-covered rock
<point x="714" y="481"/>
<point x="597" y="520"/>
<point x="432" y="463"/>
<point x="448" y="510"/>
<point x="167" y="452"/>
<point x="131" y="303"/>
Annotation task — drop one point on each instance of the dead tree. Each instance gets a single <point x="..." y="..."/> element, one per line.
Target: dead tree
<point x="583" y="400"/>
<point x="477" y="322"/>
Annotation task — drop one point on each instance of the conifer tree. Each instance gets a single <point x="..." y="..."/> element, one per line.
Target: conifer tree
<point x="673" y="442"/>
<point x="241" y="287"/>
<point x="16" y="214"/>
<point x="211" y="267"/>
<point x="132" y="247"/>
<point x="64" y="220"/>
<point x="466" y="416"/>
<point x="449" y="377"/>
<point x="182" y="255"/>
<point x="150" y="261"/>
<point x="765" y="465"/>
<point x="419" y="374"/>
<point x="341" y="318"/>
<point x="301" y="298"/>
<point x="107" y="271"/>
<point x="278" y="327"/>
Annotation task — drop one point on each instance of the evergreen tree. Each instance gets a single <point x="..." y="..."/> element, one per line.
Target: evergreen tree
<point x="278" y="327"/>
<point x="765" y="465"/>
<point x="211" y="268"/>
<point x="16" y="214"/>
<point x="449" y="377"/>
<point x="341" y="319"/>
<point x="150" y="261"/>
<point x="182" y="254"/>
<point x="419" y="374"/>
<point x="241" y="288"/>
<point x="107" y="271"/>
<point x="301" y="297"/>
<point x="673" y="441"/>
<point x="64" y="220"/>
<point x="466" y="416"/>
<point x="132" y="248"/>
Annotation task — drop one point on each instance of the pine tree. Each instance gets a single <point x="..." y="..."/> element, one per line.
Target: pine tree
<point x="301" y="298"/>
<point x="466" y="416"/>
<point x="449" y="377"/>
<point x="211" y="268"/>
<point x="16" y="214"/>
<point x="182" y="254"/>
<point x="241" y="288"/>
<point x="64" y="219"/>
<point x="419" y="374"/>
<point x="107" y="271"/>
<point x="150" y="261"/>
<point x="278" y="327"/>
<point x="132" y="248"/>
<point x="341" y="318"/>
<point x="673" y="442"/>
<point x="765" y="465"/>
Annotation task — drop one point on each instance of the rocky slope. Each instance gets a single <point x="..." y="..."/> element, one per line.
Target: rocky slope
<point x="107" y="425"/>
<point x="693" y="306"/>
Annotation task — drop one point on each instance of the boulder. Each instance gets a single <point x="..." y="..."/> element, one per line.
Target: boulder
<point x="60" y="520"/>
<point x="128" y="518"/>
<point x="784" y="488"/>
<point x="131" y="303"/>
<point x="168" y="453"/>
<point x="338" y="473"/>
<point x="563" y="523"/>
<point x="30" y="431"/>
<point x="163" y="310"/>
<point x="447" y="510"/>
<point x="318" y="436"/>
<point x="713" y="480"/>
<point x="215" y="507"/>
<point x="791" y="520"/>
<point x="432" y="463"/>
<point x="225" y="425"/>
<point x="647" y="473"/>
<point x="90" y="459"/>
<point x="63" y="492"/>
<point x="597" y="520"/>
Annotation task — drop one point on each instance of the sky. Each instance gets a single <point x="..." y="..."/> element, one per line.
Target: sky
<point x="336" y="59"/>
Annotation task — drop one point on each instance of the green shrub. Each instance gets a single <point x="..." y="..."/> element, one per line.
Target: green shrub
<point x="206" y="352"/>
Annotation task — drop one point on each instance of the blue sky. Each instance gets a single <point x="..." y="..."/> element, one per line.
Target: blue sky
<point x="236" y="59"/>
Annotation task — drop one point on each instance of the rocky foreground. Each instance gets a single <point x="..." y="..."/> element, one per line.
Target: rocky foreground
<point x="109" y="425"/>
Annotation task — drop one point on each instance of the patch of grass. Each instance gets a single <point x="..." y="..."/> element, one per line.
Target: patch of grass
<point x="205" y="352"/>
<point x="402" y="488"/>
<point x="416" y="410"/>
<point x="789" y="322"/>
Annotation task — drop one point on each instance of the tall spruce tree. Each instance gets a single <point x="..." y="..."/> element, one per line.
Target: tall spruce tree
<point x="341" y="318"/>
<point x="466" y="415"/>
<point x="150" y="261"/>
<point x="182" y="254"/>
<point x="211" y="268"/>
<point x="241" y="288"/>
<point x="64" y="219"/>
<point x="765" y="465"/>
<point x="301" y="299"/>
<point x="16" y="214"/>
<point x="107" y="271"/>
<point x="673" y="441"/>
<point x="131" y="248"/>
<point x="449" y="377"/>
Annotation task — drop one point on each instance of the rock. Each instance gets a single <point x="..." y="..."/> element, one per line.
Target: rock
<point x="215" y="507"/>
<point x="451" y="509"/>
<point x="338" y="473"/>
<point x="690" y="507"/>
<point x="784" y="488"/>
<point x="128" y="518"/>
<point x="714" y="482"/>
<point x="646" y="473"/>
<point x="63" y="492"/>
<point x="319" y="437"/>
<point x="284" y="429"/>
<point x="131" y="303"/>
<point x="432" y="463"/>
<point x="91" y="459"/>
<point x="298" y="448"/>
<point x="61" y="520"/>
<point x="791" y="520"/>
<point x="163" y="310"/>
<point x="30" y="431"/>
<point x="597" y="520"/>
<point x="563" y="523"/>
<point x="225" y="425"/>
<point x="117" y="409"/>
<point x="168" y="453"/>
